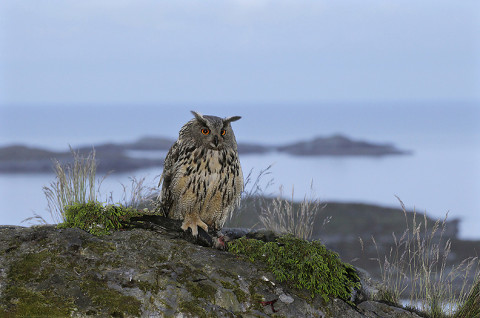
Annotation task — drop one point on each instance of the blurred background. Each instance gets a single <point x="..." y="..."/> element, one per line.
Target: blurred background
<point x="407" y="74"/>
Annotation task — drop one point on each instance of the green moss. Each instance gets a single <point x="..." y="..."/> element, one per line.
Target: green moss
<point x="96" y="218"/>
<point x="154" y="301"/>
<point x="201" y="290"/>
<point x="198" y="289"/>
<point x="111" y="300"/>
<point x="228" y="274"/>
<point x="11" y="247"/>
<point x="29" y="267"/>
<point x="148" y="287"/>
<point x="255" y="298"/>
<point x="302" y="264"/>
<point x="240" y="294"/>
<point x="36" y="267"/>
<point x="27" y="303"/>
<point x="100" y="247"/>
<point x="20" y="300"/>
<point x="227" y="285"/>
<point x="192" y="307"/>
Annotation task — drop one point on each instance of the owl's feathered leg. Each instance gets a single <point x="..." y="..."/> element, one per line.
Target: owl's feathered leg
<point x="192" y="221"/>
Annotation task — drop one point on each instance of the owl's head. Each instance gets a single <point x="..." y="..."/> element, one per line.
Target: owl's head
<point x="211" y="132"/>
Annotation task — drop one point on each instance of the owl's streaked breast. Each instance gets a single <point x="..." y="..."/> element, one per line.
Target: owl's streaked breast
<point x="208" y="181"/>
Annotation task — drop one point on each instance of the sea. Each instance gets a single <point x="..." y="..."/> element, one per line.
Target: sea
<point x="440" y="177"/>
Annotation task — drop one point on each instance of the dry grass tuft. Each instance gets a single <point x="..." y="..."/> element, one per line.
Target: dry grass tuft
<point x="139" y="195"/>
<point x="74" y="183"/>
<point x="285" y="216"/>
<point x="471" y="307"/>
<point x="416" y="269"/>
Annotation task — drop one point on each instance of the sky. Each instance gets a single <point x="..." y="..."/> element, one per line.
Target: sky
<point x="147" y="52"/>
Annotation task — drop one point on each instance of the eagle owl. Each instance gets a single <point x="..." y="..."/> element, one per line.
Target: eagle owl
<point x="202" y="178"/>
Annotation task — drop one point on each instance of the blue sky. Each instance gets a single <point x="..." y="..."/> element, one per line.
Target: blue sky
<point x="149" y="52"/>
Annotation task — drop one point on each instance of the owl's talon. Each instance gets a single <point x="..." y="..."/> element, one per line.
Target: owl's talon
<point x="192" y="223"/>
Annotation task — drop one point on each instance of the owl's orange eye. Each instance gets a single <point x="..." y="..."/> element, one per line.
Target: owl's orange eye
<point x="205" y="131"/>
<point x="223" y="132"/>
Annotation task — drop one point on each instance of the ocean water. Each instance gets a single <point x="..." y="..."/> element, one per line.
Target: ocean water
<point x="442" y="175"/>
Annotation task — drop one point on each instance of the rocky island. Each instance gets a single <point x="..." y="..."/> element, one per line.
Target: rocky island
<point x="122" y="157"/>
<point x="339" y="145"/>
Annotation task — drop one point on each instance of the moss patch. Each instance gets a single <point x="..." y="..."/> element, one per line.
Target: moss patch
<point x="193" y="308"/>
<point x="148" y="287"/>
<point x="100" y="247"/>
<point x="227" y="285"/>
<point x="27" y="303"/>
<point x="255" y="298"/>
<point x="201" y="290"/>
<point x="29" y="267"/>
<point x="115" y="303"/>
<point x="239" y="294"/>
<point x="96" y="218"/>
<point x="302" y="264"/>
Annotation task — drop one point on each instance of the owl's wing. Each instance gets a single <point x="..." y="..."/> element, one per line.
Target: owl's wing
<point x="165" y="196"/>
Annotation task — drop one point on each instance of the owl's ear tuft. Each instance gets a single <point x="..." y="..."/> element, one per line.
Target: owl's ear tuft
<point x="230" y="119"/>
<point x="199" y="117"/>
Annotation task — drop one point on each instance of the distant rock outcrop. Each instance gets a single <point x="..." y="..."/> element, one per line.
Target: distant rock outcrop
<point x="110" y="157"/>
<point x="339" y="145"/>
<point x="49" y="272"/>
<point x="135" y="155"/>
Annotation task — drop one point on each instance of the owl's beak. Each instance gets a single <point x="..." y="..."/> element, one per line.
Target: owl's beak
<point x="215" y="141"/>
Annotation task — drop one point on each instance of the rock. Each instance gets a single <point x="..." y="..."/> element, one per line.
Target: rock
<point x="375" y="309"/>
<point x="122" y="157"/>
<point x="369" y="287"/>
<point x="111" y="157"/>
<point x="339" y="145"/>
<point x="50" y="272"/>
